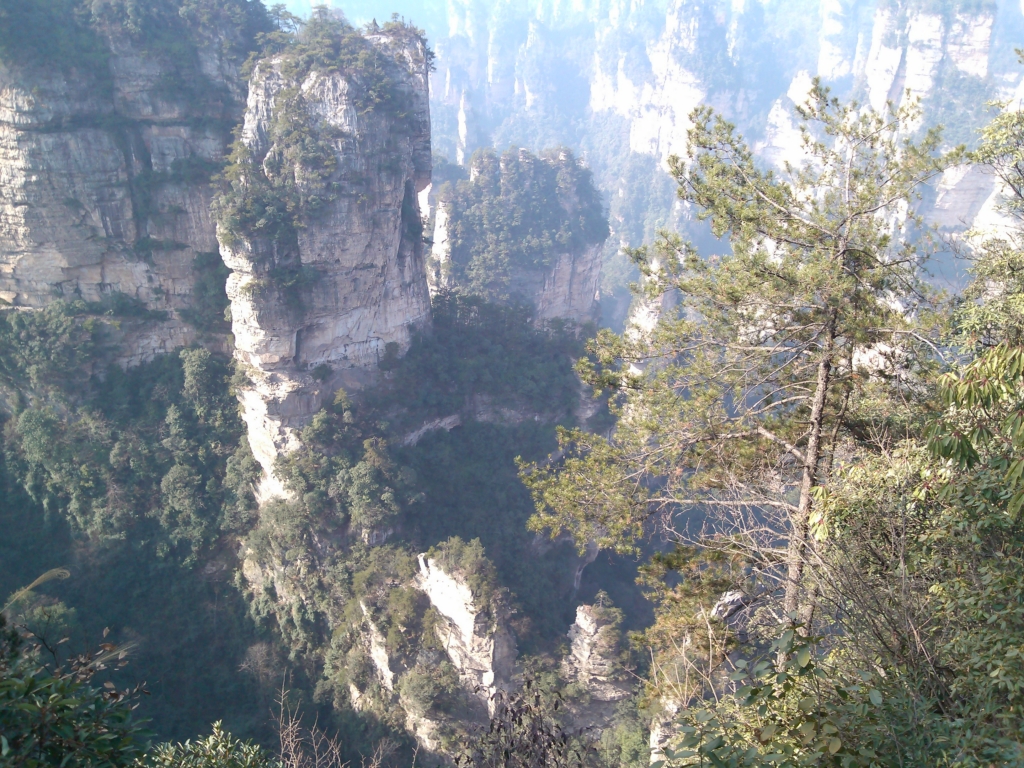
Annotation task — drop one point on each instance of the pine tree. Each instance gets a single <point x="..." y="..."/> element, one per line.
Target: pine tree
<point x="733" y="405"/>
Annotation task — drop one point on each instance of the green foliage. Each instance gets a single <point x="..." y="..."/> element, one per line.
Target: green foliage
<point x="209" y="306"/>
<point x="626" y="743"/>
<point x="43" y="353"/>
<point x="468" y="561"/>
<point x="736" y="400"/>
<point x="806" y="711"/>
<point x="70" y="35"/>
<point x="54" y="716"/>
<point x="430" y="689"/>
<point x="328" y="44"/>
<point x="218" y="750"/>
<point x="337" y="477"/>
<point x="518" y="212"/>
<point x="161" y="431"/>
<point x="992" y="307"/>
<point x="922" y="551"/>
<point x="51" y="31"/>
<point x="478" y="348"/>
<point x="526" y="731"/>
<point x="917" y="562"/>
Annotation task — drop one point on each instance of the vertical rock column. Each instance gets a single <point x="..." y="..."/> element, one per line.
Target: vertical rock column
<point x="314" y="305"/>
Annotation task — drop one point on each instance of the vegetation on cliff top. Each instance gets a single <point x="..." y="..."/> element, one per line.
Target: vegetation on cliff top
<point x="517" y="211"/>
<point x="74" y="35"/>
<point x="271" y="190"/>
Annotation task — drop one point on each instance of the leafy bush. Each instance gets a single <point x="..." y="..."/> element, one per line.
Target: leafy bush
<point x="218" y="750"/>
<point x="51" y="31"/>
<point x="53" y="716"/>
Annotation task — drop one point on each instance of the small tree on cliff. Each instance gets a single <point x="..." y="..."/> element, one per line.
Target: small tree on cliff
<point x="810" y="331"/>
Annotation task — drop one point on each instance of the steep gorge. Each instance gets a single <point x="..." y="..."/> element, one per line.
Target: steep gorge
<point x="123" y="196"/>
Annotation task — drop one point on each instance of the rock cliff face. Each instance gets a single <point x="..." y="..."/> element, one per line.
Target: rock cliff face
<point x="616" y="81"/>
<point x="105" y="175"/>
<point x="475" y="637"/>
<point x="315" y="303"/>
<point x="593" y="664"/>
<point x="525" y="228"/>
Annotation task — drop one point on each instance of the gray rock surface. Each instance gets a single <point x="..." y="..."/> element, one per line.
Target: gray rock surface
<point x="95" y="194"/>
<point x="360" y="256"/>
<point x="476" y="637"/>
<point x="594" y="665"/>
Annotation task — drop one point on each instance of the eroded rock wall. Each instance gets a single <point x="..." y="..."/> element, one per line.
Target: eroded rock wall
<point x="316" y="309"/>
<point x="475" y="636"/>
<point x="105" y="171"/>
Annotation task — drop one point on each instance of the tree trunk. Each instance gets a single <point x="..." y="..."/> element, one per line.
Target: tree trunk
<point x="812" y="453"/>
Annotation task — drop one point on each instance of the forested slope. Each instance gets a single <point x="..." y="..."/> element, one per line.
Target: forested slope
<point x="776" y="521"/>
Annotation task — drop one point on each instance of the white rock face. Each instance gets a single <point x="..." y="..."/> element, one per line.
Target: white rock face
<point x="438" y="275"/>
<point x="592" y="660"/>
<point x="360" y="257"/>
<point x="657" y="110"/>
<point x="475" y="637"/>
<point x="92" y="201"/>
<point x="970" y="41"/>
<point x="378" y="651"/>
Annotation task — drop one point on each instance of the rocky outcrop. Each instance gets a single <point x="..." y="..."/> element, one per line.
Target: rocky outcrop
<point x="314" y="305"/>
<point x="474" y="634"/>
<point x="105" y="176"/>
<point x="524" y="228"/>
<point x="594" y="665"/>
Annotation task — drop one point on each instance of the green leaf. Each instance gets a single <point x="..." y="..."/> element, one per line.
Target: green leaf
<point x="803" y="656"/>
<point x="876" y="697"/>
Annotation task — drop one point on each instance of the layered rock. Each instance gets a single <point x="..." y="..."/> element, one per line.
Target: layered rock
<point x="105" y="174"/>
<point x="594" y="664"/>
<point x="475" y="633"/>
<point x="315" y="304"/>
